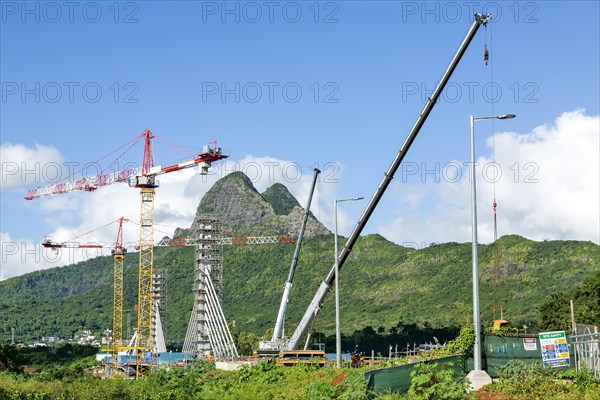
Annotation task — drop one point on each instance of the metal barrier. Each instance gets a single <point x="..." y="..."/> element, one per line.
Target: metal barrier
<point x="587" y="349"/>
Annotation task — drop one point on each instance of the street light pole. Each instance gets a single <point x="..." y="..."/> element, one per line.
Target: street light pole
<point x="338" y="332"/>
<point x="476" y="312"/>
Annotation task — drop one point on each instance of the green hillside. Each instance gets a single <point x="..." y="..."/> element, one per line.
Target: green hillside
<point x="381" y="284"/>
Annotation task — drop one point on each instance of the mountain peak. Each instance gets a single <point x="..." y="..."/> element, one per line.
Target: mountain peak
<point x="244" y="211"/>
<point x="280" y="198"/>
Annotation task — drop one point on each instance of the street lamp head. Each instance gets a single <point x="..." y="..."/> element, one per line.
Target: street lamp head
<point x="501" y="116"/>
<point x="349" y="199"/>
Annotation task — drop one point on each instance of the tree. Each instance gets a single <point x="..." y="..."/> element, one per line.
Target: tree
<point x="246" y="343"/>
<point x="8" y="359"/>
<point x="555" y="312"/>
<point x="587" y="301"/>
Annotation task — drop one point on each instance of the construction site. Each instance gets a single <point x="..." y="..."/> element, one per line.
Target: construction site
<point x="136" y="349"/>
<point x="208" y="335"/>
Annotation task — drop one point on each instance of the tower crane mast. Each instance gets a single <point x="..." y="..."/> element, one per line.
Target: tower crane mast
<point x="118" y="254"/>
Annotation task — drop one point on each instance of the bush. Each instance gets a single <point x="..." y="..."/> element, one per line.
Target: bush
<point x="463" y="344"/>
<point x="584" y="379"/>
<point x="428" y="382"/>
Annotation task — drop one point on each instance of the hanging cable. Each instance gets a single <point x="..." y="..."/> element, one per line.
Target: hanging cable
<point x="93" y="230"/>
<point x="496" y="267"/>
<point x="131" y="143"/>
<point x="178" y="147"/>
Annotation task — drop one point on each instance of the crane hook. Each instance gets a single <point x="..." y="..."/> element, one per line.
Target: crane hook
<point x="486" y="54"/>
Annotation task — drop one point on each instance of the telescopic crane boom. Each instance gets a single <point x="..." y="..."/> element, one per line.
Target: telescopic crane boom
<point x="323" y="289"/>
<point x="277" y="332"/>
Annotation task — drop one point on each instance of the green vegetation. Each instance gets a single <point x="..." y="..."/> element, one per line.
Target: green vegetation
<point x="463" y="344"/>
<point x="56" y="356"/>
<point x="389" y="294"/>
<point x="66" y="372"/>
<point x="430" y="382"/>
<point x="198" y="381"/>
<point x="8" y="359"/>
<point x="401" y="334"/>
<point x="519" y="380"/>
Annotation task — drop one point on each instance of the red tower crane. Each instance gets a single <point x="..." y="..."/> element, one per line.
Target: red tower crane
<point x="118" y="252"/>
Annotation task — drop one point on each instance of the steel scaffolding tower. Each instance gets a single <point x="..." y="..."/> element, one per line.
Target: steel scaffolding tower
<point x="208" y="332"/>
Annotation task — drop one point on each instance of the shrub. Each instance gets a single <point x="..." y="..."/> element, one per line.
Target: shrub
<point x="428" y="382"/>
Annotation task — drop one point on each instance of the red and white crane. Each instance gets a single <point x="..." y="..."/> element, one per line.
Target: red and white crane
<point x="136" y="177"/>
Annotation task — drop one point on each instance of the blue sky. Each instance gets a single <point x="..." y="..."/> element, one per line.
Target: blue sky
<point x="285" y="86"/>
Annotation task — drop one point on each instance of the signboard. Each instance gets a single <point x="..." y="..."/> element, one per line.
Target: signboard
<point x="530" y="344"/>
<point x="554" y="347"/>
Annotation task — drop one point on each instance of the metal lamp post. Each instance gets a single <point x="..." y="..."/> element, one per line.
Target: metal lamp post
<point x="476" y="313"/>
<point x="338" y="334"/>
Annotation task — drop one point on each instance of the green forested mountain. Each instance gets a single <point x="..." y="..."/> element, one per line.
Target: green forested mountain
<point x="381" y="284"/>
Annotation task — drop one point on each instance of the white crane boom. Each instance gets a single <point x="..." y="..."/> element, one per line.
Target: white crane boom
<point x="317" y="301"/>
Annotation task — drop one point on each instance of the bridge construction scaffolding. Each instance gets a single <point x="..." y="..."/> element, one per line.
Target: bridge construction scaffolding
<point x="208" y="332"/>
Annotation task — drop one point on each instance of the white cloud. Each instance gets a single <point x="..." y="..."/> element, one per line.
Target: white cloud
<point x="549" y="188"/>
<point x="20" y="256"/>
<point x="21" y="165"/>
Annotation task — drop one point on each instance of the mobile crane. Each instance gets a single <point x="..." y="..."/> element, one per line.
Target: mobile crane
<point x="317" y="301"/>
<point x="278" y="341"/>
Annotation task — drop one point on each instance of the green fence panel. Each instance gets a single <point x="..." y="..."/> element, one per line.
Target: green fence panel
<point x="397" y="379"/>
<point x="497" y="352"/>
